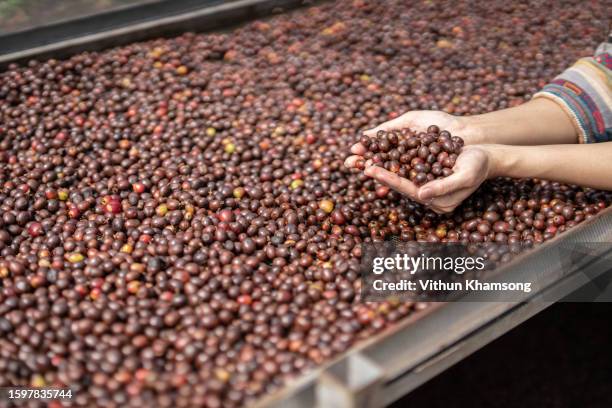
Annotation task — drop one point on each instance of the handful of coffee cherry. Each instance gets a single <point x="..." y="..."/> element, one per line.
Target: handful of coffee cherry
<point x="417" y="156"/>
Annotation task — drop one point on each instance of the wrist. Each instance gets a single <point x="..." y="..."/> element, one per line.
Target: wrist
<point x="474" y="128"/>
<point x="499" y="160"/>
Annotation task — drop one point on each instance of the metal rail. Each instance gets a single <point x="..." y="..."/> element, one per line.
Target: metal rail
<point x="391" y="364"/>
<point x="133" y="24"/>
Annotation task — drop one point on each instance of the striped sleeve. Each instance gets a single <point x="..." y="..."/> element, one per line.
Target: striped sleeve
<point x="584" y="92"/>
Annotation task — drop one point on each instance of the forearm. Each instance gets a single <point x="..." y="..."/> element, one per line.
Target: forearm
<point x="588" y="165"/>
<point x="537" y="122"/>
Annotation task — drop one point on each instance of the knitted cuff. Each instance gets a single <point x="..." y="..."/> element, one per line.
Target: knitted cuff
<point x="584" y="92"/>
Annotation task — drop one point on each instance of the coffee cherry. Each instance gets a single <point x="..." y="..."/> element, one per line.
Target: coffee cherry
<point x="138" y="188"/>
<point x="338" y="218"/>
<point x="62" y="195"/>
<point x="382" y="191"/>
<point x="35" y="229"/>
<point x="327" y="206"/>
<point x="112" y="205"/>
<point x="226" y="216"/>
<point x="75" y="257"/>
<point x="161" y="210"/>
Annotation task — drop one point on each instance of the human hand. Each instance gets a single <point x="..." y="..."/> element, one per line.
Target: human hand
<point x="474" y="165"/>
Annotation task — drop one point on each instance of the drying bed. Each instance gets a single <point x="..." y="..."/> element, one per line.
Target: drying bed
<point x="178" y="227"/>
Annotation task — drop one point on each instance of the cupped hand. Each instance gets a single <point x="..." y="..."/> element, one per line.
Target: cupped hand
<point x="443" y="195"/>
<point x="473" y="166"/>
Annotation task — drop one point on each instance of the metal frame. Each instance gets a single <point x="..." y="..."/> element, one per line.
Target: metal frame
<point x="93" y="22"/>
<point x="132" y="24"/>
<point x="382" y="369"/>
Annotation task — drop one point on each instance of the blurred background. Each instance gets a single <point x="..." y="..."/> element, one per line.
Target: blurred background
<point x="17" y="15"/>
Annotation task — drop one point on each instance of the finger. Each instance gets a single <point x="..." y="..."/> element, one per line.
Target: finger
<point x="441" y="187"/>
<point x="401" y="121"/>
<point x="440" y="211"/>
<point x="351" y="160"/>
<point x="449" y="202"/>
<point x="392" y="180"/>
<point x="358" y="149"/>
